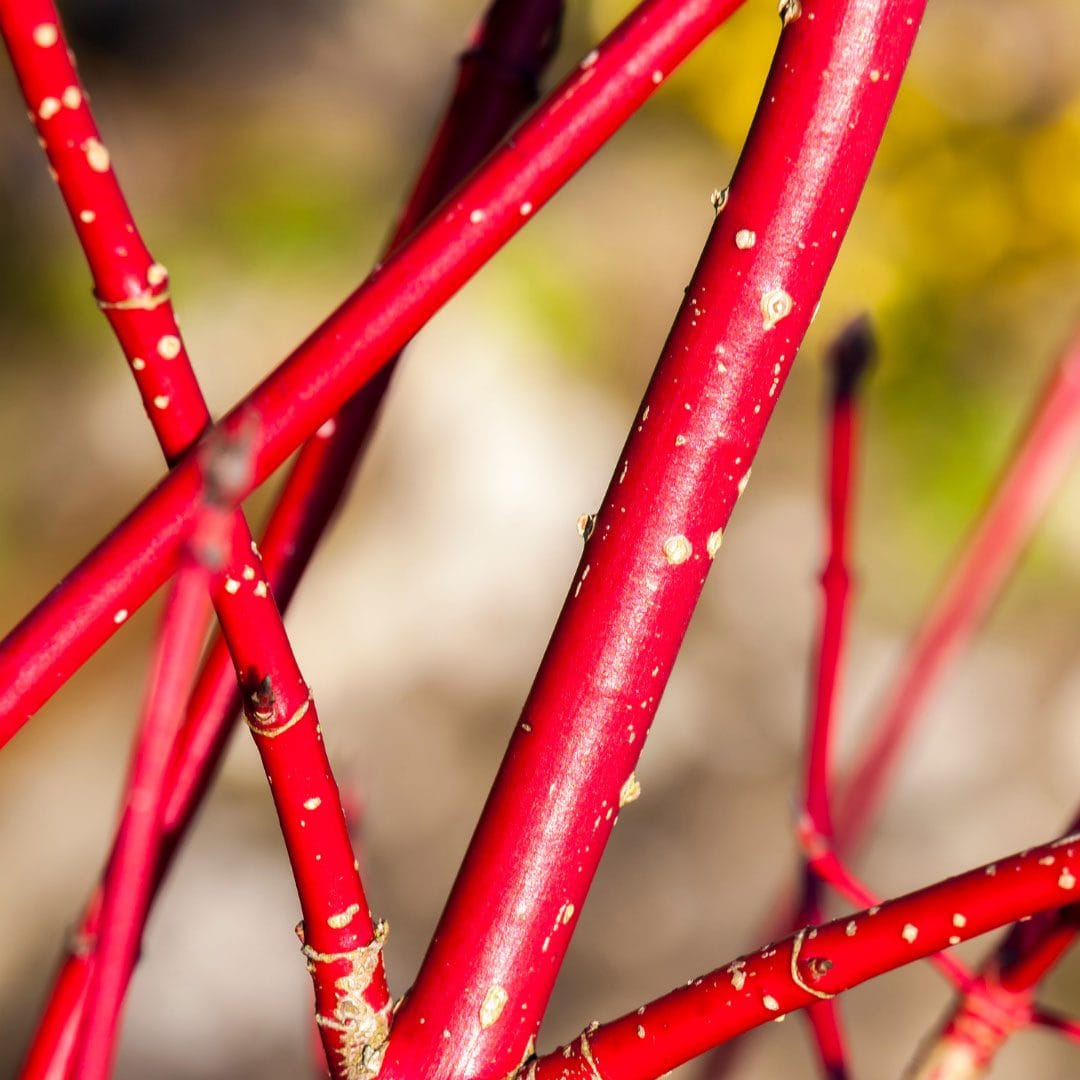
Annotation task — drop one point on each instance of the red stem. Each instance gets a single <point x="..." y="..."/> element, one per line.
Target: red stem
<point x="1065" y="1026"/>
<point x="73" y="621"/>
<point x="1001" y="1000"/>
<point x="498" y="78"/>
<point x="321" y="856"/>
<point x="1044" y="454"/>
<point x="824" y="1020"/>
<point x="1032" y="950"/>
<point x="827" y="960"/>
<point x="1033" y="474"/>
<point x="131" y="288"/>
<point x="506" y="927"/>
<point x="830" y="870"/>
<point x="823" y="1017"/>
<point x="129" y="879"/>
<point x="848" y="359"/>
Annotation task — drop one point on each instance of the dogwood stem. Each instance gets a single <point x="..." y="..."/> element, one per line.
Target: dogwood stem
<point x="570" y="763"/>
<point x="814" y="964"/>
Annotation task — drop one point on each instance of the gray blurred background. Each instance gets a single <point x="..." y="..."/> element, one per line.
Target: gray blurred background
<point x="265" y="149"/>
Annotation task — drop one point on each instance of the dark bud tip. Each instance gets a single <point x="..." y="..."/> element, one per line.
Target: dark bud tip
<point x="262" y="697"/>
<point x="851" y="355"/>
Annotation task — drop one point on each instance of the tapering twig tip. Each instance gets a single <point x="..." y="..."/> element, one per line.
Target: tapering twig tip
<point x="851" y="355"/>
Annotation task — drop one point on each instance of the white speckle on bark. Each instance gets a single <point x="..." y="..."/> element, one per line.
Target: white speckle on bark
<point x="494" y="1002"/>
<point x="97" y="157"/>
<point x="168" y="346"/>
<point x="677" y="549"/>
<point x="45" y="35"/>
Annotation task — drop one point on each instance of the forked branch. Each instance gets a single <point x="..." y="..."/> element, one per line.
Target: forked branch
<point x="357" y="340"/>
<point x="815" y="964"/>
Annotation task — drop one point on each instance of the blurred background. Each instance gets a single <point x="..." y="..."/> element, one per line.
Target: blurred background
<point x="266" y="148"/>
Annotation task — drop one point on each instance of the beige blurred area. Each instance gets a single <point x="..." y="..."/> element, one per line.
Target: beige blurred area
<point x="266" y="149"/>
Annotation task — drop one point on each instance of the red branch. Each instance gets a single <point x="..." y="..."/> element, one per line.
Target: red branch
<point x="1065" y="1026"/>
<point x="569" y="767"/>
<point x="1044" y="454"/>
<point x="129" y="880"/>
<point x="299" y="772"/>
<point x="498" y="78"/>
<point x="813" y="964"/>
<point x="848" y="360"/>
<point x="1034" y="473"/>
<point x="131" y="288"/>
<point x="1001" y="1000"/>
<point x="849" y="357"/>
<point x="359" y="338"/>
<point x="829" y="869"/>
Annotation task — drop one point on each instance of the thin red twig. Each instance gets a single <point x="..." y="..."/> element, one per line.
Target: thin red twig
<point x="848" y="360"/>
<point x="814" y="964"/>
<point x="569" y="767"/>
<point x="129" y="879"/>
<point x="130" y="286"/>
<point x="1066" y="1026"/>
<point x="142" y="316"/>
<point x="1044" y="453"/>
<point x="1033" y="474"/>
<point x="1000" y="999"/>
<point x="358" y="339"/>
<point x="828" y="868"/>
<point x="498" y="78"/>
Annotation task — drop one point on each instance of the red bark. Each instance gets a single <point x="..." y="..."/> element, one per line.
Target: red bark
<point x="499" y="945"/>
<point x="357" y="340"/>
<point x="131" y="289"/>
<point x="814" y="964"/>
<point x="1032" y="476"/>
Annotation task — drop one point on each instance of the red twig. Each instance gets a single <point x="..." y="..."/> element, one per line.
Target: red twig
<point x="341" y="946"/>
<point x="828" y="868"/>
<point x="374" y="323"/>
<point x="848" y="359"/>
<point x="850" y="356"/>
<point x="569" y="766"/>
<point x="1034" y="472"/>
<point x="1066" y="1026"/>
<point x="131" y="288"/>
<point x="498" y="77"/>
<point x="824" y="1020"/>
<point x="1045" y="452"/>
<point x="1001" y="1000"/>
<point x="129" y="879"/>
<point x="142" y="316"/>
<point x="813" y="964"/>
